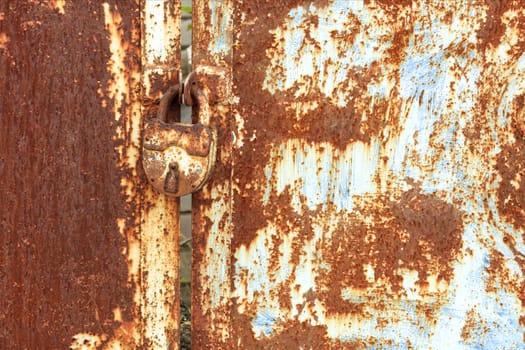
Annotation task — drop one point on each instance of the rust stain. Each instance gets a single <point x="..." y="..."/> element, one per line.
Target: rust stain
<point x="492" y="31"/>
<point x="64" y="265"/>
<point x="339" y="119"/>
<point x="474" y="329"/>
<point x="297" y="334"/>
<point x="376" y="177"/>
<point x="503" y="276"/>
<point x="417" y="232"/>
<point x="159" y="225"/>
<point x="511" y="167"/>
<point x="159" y="251"/>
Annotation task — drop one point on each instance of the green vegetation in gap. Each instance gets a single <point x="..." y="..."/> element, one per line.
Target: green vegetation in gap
<point x="187" y="10"/>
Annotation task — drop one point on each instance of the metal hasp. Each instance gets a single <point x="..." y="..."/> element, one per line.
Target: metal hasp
<point x="178" y="158"/>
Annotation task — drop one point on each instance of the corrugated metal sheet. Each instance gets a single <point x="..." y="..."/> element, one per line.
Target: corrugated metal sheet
<point x="369" y="190"/>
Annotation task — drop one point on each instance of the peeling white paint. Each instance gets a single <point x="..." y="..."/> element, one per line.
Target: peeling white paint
<point x="159" y="249"/>
<point x="300" y="57"/>
<point x="59" y="5"/>
<point x="217" y="267"/>
<point x="439" y="80"/>
<point x="220" y="21"/>
<point x="438" y="85"/>
<point x="86" y="341"/>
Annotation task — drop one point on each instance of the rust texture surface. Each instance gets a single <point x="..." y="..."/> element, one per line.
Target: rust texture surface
<point x="159" y="226"/>
<point x="210" y="228"/>
<point x="69" y="199"/>
<point x="369" y="186"/>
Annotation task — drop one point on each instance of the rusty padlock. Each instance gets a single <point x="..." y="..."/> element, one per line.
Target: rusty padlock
<point x="178" y="158"/>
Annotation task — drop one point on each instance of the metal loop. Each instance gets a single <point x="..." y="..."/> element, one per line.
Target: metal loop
<point x="188" y="83"/>
<point x="193" y="96"/>
<point x="203" y="107"/>
<point x="166" y="101"/>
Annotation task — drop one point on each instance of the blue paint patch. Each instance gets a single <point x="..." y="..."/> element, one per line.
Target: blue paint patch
<point x="263" y="322"/>
<point x="291" y="49"/>
<point x="424" y="77"/>
<point x="268" y="171"/>
<point x="381" y="90"/>
<point x="485" y="261"/>
<point x="223" y="37"/>
<point x="500" y="327"/>
<point x="514" y="87"/>
<point x="341" y="196"/>
<point x="258" y="272"/>
<point x="297" y="15"/>
<point x="325" y="176"/>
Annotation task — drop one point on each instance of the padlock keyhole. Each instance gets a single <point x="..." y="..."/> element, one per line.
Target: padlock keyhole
<point x="171" y="184"/>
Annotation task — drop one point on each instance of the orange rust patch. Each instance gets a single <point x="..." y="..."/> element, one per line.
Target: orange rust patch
<point x="501" y="275"/>
<point x="418" y="232"/>
<point x="493" y="29"/>
<point x="474" y="329"/>
<point x="511" y="167"/>
<point x="69" y="271"/>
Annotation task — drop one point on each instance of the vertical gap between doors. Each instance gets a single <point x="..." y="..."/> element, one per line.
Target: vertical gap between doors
<point x="185" y="203"/>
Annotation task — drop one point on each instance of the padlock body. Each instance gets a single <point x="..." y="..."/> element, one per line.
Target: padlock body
<point x="177" y="158"/>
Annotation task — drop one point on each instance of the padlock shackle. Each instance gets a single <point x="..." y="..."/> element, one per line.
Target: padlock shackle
<point x="193" y="96"/>
<point x="166" y="101"/>
<point x="203" y="107"/>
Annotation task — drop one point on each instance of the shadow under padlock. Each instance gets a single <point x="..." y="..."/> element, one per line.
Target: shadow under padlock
<point x="178" y="158"/>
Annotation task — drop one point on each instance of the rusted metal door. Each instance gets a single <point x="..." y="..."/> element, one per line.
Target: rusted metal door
<point x="88" y="252"/>
<point x="370" y="182"/>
